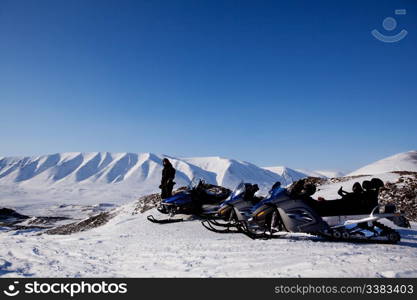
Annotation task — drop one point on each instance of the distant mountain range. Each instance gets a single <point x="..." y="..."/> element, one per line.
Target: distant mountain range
<point x="144" y="169"/>
<point x="135" y="169"/>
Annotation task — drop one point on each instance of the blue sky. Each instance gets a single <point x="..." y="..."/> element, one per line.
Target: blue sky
<point x="297" y="83"/>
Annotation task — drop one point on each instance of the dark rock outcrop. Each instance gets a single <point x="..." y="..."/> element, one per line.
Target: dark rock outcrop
<point x="402" y="193"/>
<point x="92" y="222"/>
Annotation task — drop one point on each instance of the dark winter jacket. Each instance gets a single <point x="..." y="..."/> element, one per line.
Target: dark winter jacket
<point x="168" y="173"/>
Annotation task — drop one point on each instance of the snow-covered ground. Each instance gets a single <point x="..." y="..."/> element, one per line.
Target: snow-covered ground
<point x="129" y="245"/>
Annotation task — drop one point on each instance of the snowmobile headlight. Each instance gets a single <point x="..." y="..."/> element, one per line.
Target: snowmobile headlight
<point x="223" y="210"/>
<point x="260" y="214"/>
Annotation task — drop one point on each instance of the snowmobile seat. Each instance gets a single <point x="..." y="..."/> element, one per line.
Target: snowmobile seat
<point x="341" y="207"/>
<point x="361" y="201"/>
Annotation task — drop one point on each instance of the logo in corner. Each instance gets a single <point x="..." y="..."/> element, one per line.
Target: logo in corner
<point x="11" y="290"/>
<point x="389" y="25"/>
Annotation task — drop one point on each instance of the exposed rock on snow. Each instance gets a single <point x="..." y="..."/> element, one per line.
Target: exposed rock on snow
<point x="49" y="221"/>
<point x="10" y="216"/>
<point x="15" y="221"/>
<point x="147" y="202"/>
<point x="92" y="222"/>
<point x="402" y="193"/>
<point x="317" y="181"/>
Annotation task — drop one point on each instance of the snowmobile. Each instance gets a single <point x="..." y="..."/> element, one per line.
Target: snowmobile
<point x="236" y="209"/>
<point x="198" y="199"/>
<point x="298" y="212"/>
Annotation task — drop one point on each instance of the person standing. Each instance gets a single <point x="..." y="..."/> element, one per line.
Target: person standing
<point x="167" y="181"/>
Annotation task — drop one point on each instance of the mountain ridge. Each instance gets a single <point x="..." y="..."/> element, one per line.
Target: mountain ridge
<point x="145" y="169"/>
<point x="404" y="161"/>
<point x="117" y="167"/>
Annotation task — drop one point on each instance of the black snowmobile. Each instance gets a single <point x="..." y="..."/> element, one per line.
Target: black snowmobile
<point x="295" y="211"/>
<point x="198" y="199"/>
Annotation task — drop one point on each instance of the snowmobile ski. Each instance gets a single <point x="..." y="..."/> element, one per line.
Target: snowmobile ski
<point x="163" y="221"/>
<point x="226" y="228"/>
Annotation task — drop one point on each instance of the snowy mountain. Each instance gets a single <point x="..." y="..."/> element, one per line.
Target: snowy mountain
<point x="295" y="174"/>
<point x="406" y="161"/>
<point x="322" y="173"/>
<point x="139" y="170"/>
<point x="330" y="173"/>
<point x="288" y="175"/>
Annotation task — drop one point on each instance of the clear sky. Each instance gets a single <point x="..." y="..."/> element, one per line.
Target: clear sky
<point x="296" y="83"/>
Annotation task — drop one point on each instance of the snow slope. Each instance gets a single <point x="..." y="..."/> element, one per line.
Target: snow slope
<point x="288" y="175"/>
<point x="291" y="175"/>
<point x="406" y="161"/>
<point x="322" y="173"/>
<point x="330" y="173"/>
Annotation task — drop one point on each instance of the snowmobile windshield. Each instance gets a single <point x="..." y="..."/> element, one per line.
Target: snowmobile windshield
<point x="237" y="193"/>
<point x="194" y="183"/>
<point x="272" y="195"/>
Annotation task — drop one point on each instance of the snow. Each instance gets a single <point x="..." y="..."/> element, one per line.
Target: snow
<point x="330" y="173"/>
<point x="322" y="173"/>
<point x="406" y="161"/>
<point x="130" y="246"/>
<point x="80" y="184"/>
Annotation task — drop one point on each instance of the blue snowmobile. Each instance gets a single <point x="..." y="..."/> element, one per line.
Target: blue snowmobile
<point x="198" y="199"/>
